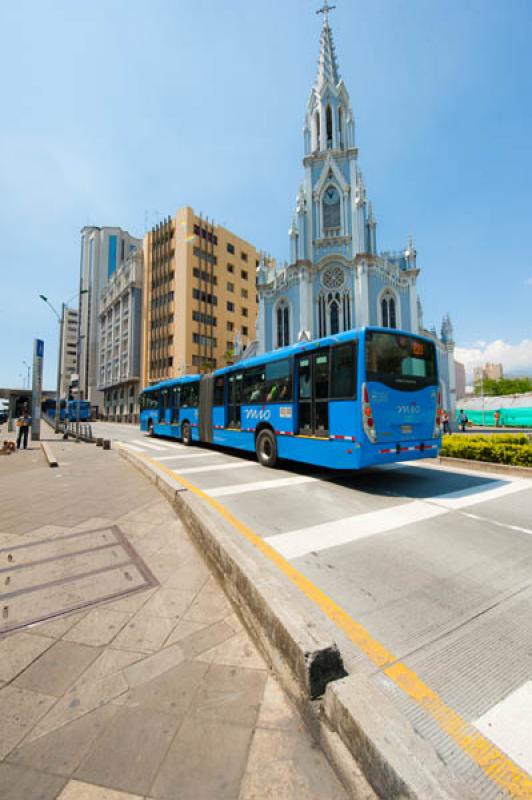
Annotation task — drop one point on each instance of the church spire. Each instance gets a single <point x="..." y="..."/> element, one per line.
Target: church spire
<point x="327" y="64"/>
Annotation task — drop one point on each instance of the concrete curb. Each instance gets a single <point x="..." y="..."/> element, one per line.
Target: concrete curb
<point x="374" y="749"/>
<point x="486" y="466"/>
<point x="48" y="454"/>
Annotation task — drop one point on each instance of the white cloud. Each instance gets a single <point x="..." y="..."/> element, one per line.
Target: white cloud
<point x="511" y="356"/>
<point x="528" y="281"/>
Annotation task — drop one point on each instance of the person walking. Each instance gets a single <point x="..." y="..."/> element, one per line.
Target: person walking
<point x="445" y="420"/>
<point x="462" y="420"/>
<point x="497" y="417"/>
<point x="23" y="425"/>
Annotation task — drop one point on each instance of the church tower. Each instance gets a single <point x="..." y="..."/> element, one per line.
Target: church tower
<point x="336" y="279"/>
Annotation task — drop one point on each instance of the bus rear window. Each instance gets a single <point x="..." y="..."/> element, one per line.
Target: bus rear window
<point x="400" y="361"/>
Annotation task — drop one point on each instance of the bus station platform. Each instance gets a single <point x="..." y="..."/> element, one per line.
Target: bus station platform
<point x="124" y="671"/>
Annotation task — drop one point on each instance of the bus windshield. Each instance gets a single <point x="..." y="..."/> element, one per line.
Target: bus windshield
<point x="399" y="361"/>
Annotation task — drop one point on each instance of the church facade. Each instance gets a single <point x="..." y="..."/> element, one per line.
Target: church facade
<point x="337" y="279"/>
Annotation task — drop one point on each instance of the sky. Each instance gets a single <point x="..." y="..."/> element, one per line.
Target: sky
<point x="118" y="113"/>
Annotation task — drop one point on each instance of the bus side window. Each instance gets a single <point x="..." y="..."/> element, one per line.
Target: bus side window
<point x="189" y="395"/>
<point x="254" y="386"/>
<point x="219" y="384"/>
<point x="279" y="381"/>
<point x="344" y="370"/>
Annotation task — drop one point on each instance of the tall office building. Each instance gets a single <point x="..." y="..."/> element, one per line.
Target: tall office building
<point x="103" y="250"/>
<point x="120" y="342"/>
<point x="69" y="343"/>
<point x="200" y="301"/>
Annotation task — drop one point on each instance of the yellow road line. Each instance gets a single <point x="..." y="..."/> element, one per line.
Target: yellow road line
<point x="492" y="761"/>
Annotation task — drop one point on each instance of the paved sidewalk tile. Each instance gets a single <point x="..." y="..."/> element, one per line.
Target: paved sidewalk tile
<point x="155" y="695"/>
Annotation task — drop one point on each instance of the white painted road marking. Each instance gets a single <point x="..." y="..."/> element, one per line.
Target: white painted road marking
<point x="508" y="725"/>
<point x="187" y="455"/>
<point x="212" y="468"/>
<point x="331" y="534"/>
<point x="350" y="529"/>
<point x="131" y="447"/>
<point x="149" y="446"/>
<point x="224" y="491"/>
<point x="517" y="528"/>
<point x="477" y="494"/>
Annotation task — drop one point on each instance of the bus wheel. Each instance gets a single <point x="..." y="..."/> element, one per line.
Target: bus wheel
<point x="150" y="427"/>
<point x="266" y="448"/>
<point x="186" y="434"/>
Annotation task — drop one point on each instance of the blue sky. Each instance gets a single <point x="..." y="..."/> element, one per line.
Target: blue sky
<point x="114" y="113"/>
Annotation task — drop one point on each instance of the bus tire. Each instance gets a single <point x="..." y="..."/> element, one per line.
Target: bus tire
<point x="266" y="448"/>
<point x="186" y="434"/>
<point x="150" y="427"/>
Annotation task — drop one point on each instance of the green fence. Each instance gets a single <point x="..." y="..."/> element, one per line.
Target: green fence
<point x="514" y="417"/>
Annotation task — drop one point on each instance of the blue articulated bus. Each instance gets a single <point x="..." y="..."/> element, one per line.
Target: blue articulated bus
<point x="352" y="400"/>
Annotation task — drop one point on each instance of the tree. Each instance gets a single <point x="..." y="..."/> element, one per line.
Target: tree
<point x="504" y="386"/>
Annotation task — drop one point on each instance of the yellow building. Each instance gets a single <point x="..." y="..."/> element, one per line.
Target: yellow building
<point x="199" y="293"/>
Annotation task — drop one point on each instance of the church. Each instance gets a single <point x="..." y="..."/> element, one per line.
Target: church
<point x="337" y="279"/>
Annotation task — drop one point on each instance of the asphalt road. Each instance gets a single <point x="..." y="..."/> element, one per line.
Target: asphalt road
<point x="435" y="562"/>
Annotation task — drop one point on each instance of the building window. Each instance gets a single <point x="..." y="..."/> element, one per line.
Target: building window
<point x="244" y="312"/>
<point x="388" y="311"/>
<point x="230" y="287"/>
<point x="206" y="319"/>
<point x="244" y="330"/>
<point x="244" y="256"/>
<point x="331" y="209"/>
<point x="283" y="325"/>
<point x="230" y="248"/>
<point x="230" y="326"/>
<point x="230" y="268"/>
<point x="329" y="119"/>
<point x="230" y="306"/>
<point x="335" y="318"/>
<point x="243" y="275"/>
<point x="208" y="341"/>
<point x="244" y="293"/>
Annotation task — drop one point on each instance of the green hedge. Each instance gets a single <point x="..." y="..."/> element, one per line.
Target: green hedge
<point x="503" y="449"/>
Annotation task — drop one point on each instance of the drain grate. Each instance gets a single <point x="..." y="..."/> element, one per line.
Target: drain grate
<point x="46" y="578"/>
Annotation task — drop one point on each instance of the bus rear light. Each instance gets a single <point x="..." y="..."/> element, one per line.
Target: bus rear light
<point x="437" y="421"/>
<point x="367" y="416"/>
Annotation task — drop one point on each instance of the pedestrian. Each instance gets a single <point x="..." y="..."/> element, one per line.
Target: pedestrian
<point x="23" y="425"/>
<point x="462" y="420"/>
<point x="497" y="417"/>
<point x="445" y="420"/>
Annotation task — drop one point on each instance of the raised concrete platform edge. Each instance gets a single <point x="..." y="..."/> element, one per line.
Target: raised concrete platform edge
<point x="48" y="454"/>
<point x="373" y="747"/>
<point x="486" y="466"/>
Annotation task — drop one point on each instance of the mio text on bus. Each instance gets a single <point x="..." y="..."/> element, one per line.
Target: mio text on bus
<point x="360" y="398"/>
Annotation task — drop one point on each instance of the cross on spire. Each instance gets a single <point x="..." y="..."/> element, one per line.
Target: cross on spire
<point x="325" y="11"/>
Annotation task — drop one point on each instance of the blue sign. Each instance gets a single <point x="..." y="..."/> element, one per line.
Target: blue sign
<point x="39" y="352"/>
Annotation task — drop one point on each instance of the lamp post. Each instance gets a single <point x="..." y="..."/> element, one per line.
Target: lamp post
<point x="58" y="393"/>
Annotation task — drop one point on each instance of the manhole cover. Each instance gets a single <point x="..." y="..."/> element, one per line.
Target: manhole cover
<point x="50" y="577"/>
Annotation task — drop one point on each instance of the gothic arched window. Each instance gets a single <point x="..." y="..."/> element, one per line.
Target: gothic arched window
<point x="335" y="317"/>
<point x="388" y="311"/>
<point x="341" y="127"/>
<point x="317" y="128"/>
<point x="331" y="209"/>
<point x="329" y="119"/>
<point x="283" y="325"/>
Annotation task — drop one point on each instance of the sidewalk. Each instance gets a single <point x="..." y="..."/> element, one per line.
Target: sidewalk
<point x="124" y="673"/>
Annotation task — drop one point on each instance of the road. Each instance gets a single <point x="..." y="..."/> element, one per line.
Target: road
<point x="434" y="562"/>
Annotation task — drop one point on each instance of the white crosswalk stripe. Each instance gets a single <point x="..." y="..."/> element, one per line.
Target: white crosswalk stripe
<point x="132" y="447"/>
<point x="258" y="486"/>
<point x="148" y="445"/>
<point x="212" y="468"/>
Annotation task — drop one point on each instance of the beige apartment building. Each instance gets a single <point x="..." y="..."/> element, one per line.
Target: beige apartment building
<point x="199" y="296"/>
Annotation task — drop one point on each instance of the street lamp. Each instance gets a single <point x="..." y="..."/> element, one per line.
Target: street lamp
<point x="58" y="392"/>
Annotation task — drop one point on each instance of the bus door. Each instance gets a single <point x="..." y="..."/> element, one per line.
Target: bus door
<point x="313" y="393"/>
<point x="175" y="392"/>
<point x="234" y="399"/>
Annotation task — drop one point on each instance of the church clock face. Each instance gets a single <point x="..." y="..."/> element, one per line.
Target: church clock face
<point x="331" y="196"/>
